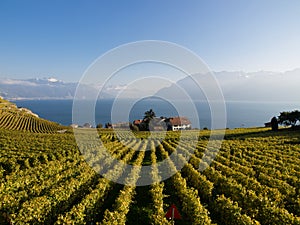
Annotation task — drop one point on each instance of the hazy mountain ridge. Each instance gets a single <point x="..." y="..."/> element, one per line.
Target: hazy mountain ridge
<point x="36" y="88"/>
<point x="236" y="86"/>
<point x="241" y="86"/>
<point x="42" y="88"/>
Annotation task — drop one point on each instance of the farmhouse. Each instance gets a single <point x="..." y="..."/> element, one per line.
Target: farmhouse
<point x="180" y="123"/>
<point x="164" y="123"/>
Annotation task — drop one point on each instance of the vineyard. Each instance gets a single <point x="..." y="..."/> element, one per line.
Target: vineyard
<point x="254" y="179"/>
<point x="13" y="118"/>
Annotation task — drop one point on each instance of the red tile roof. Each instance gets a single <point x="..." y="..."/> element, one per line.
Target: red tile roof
<point x="180" y="121"/>
<point x="136" y="122"/>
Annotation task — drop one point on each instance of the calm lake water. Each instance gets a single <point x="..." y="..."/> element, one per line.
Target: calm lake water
<point x="239" y="114"/>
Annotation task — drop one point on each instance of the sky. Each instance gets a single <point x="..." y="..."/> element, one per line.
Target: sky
<point x="61" y="38"/>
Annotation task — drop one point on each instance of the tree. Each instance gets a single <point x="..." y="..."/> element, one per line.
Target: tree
<point x="274" y="123"/>
<point x="289" y="118"/>
<point x="99" y="125"/>
<point x="149" y="115"/>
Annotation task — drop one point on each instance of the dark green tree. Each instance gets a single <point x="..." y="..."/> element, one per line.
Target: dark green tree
<point x="149" y="115"/>
<point x="289" y="118"/>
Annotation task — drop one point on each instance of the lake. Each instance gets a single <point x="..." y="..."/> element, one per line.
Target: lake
<point x="239" y="114"/>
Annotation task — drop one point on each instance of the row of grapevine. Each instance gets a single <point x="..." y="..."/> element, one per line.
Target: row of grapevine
<point x="122" y="204"/>
<point x="32" y="183"/>
<point x="158" y="217"/>
<point x="260" y="207"/>
<point x="44" y="206"/>
<point x="47" y="180"/>
<point x="205" y="189"/>
<point x="267" y="175"/>
<point x="24" y="122"/>
<point x="191" y="204"/>
<point x="85" y="211"/>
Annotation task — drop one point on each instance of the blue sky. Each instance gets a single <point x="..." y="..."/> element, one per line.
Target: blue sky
<point x="62" y="38"/>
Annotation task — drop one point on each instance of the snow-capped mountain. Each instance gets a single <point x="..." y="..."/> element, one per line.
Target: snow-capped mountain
<point x="37" y="88"/>
<point x="52" y="80"/>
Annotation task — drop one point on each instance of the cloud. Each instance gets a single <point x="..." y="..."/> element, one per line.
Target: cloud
<point x="17" y="82"/>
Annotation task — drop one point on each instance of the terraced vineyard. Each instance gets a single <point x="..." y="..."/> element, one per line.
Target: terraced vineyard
<point x="254" y="179"/>
<point x="13" y="118"/>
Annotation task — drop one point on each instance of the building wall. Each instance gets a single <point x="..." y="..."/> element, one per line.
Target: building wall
<point x="181" y="127"/>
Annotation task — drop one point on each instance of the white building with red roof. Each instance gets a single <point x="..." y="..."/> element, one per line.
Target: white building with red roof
<point x="180" y="123"/>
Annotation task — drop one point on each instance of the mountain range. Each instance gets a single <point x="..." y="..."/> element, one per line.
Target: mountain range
<point x="236" y="86"/>
<point x="42" y="88"/>
<point x="241" y="86"/>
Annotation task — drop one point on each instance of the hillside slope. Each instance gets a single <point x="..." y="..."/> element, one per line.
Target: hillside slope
<point x="14" y="118"/>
